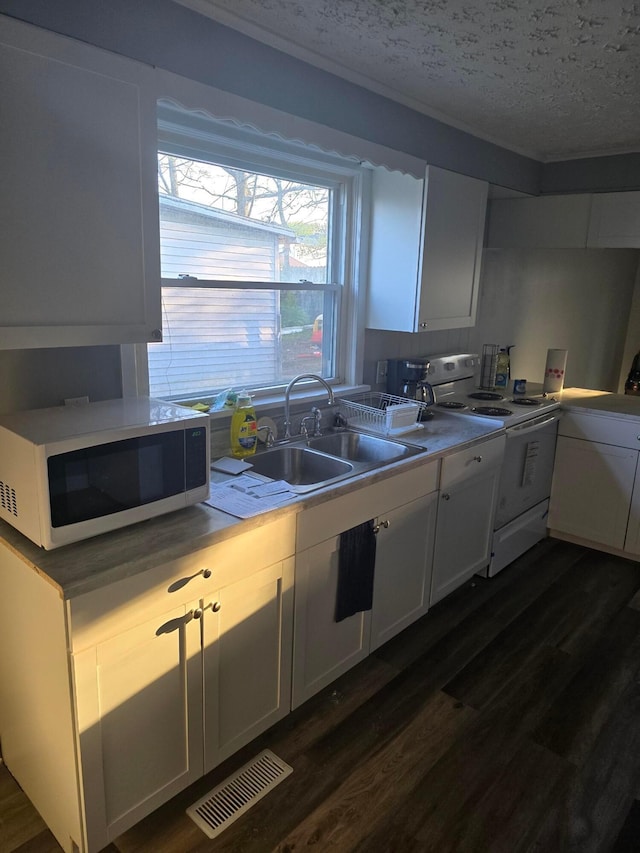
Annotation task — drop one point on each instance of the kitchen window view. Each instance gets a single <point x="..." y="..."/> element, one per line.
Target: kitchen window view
<point x="252" y="271"/>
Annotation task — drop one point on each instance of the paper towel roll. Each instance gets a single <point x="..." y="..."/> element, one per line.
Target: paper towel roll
<point x="554" y="371"/>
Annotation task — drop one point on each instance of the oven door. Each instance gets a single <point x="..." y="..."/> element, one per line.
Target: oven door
<point x="527" y="468"/>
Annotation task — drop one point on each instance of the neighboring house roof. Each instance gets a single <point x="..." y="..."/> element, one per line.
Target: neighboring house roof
<point x="180" y="205"/>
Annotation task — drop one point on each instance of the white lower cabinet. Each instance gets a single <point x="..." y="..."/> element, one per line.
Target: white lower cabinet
<point x="247" y="633"/>
<point x="148" y="682"/>
<point x="139" y="713"/>
<point x="403" y="511"/>
<point x="466" y="509"/>
<point x="595" y="497"/>
<point x="166" y="701"/>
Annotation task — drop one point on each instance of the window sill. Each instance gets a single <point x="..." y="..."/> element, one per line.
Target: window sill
<point x="299" y="397"/>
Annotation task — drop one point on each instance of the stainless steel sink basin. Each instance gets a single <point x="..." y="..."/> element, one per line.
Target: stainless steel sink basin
<point x="327" y="459"/>
<point x="359" y="447"/>
<point x="302" y="467"/>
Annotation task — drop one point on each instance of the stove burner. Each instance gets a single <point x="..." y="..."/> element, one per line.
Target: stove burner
<point x="493" y="411"/>
<point x="452" y="404"/>
<point x="485" y="395"/>
<point x="526" y="401"/>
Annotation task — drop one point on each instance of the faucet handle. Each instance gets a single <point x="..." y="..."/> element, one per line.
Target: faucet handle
<point x="270" y="439"/>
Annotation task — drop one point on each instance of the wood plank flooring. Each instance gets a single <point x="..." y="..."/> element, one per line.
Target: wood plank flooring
<point x="505" y="721"/>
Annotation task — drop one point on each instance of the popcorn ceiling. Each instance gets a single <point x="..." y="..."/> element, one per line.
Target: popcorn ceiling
<point x="554" y="80"/>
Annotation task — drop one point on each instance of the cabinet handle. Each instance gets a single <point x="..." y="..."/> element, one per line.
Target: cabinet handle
<point x="386" y="523"/>
<point x="477" y="458"/>
<point x="176" y="585"/>
<point x="216" y="606"/>
<point x="197" y="613"/>
<point x="423" y="325"/>
<point x="445" y="496"/>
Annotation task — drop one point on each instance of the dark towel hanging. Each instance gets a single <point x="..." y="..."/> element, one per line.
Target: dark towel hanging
<point x="356" y="560"/>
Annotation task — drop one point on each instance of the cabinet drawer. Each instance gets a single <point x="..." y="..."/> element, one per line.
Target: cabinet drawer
<point x="604" y="429"/>
<point x="105" y="612"/>
<point x="333" y="517"/>
<point x="466" y="463"/>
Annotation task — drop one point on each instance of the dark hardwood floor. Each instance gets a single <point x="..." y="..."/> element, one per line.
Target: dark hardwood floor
<point x="507" y="720"/>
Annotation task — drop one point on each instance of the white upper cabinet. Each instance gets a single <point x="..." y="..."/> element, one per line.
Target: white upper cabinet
<point x="79" y="240"/>
<point x="615" y="221"/>
<point x="425" y="250"/>
<point x="543" y="222"/>
<point x="585" y="220"/>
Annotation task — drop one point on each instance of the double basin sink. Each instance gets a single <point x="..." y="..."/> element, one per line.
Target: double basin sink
<point x="326" y="459"/>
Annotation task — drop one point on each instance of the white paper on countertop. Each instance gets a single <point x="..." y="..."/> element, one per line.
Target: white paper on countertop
<point x="246" y="496"/>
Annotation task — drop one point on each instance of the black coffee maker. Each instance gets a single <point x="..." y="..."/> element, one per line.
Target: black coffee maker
<point x="632" y="385"/>
<point x="408" y="378"/>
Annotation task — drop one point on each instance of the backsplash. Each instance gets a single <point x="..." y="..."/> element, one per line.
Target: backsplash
<point x="380" y="345"/>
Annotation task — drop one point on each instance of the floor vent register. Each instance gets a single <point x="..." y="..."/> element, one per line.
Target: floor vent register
<point x="235" y="796"/>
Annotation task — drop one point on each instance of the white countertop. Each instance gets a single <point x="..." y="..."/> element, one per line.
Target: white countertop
<point x="600" y="402"/>
<point x="84" y="566"/>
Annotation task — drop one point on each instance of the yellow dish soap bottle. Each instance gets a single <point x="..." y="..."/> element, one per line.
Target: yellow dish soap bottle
<point x="244" y="432"/>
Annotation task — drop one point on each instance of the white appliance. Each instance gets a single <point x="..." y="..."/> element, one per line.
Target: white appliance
<point x="531" y="423"/>
<point x="71" y="472"/>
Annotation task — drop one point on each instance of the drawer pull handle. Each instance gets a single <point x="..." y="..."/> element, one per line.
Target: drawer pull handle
<point x="216" y="606"/>
<point x="445" y="496"/>
<point x="197" y="613"/>
<point x="477" y="458"/>
<point x="176" y="585"/>
<point x="386" y="523"/>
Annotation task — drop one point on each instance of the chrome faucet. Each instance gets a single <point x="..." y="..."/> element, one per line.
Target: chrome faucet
<point x="287" y="395"/>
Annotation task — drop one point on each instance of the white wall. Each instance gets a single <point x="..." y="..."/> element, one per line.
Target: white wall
<point x="574" y="299"/>
<point x="38" y="378"/>
<point x="537" y="299"/>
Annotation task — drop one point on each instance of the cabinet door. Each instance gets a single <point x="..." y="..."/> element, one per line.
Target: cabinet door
<point x="464" y="529"/>
<point x="139" y="712"/>
<point x="425" y="250"/>
<point x="453" y="234"/>
<point x="80" y="179"/>
<point x="404" y="559"/>
<point x="591" y="491"/>
<point x="544" y="222"/>
<point x="247" y="631"/>
<point x="632" y="540"/>
<point x="323" y="649"/>
<point x="615" y="221"/>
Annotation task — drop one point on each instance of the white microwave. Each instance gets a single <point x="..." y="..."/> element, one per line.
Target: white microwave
<point x="71" y="472"/>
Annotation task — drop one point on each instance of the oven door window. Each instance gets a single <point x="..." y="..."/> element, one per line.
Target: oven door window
<point x="109" y="478"/>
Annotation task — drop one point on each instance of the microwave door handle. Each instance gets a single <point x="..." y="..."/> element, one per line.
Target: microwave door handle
<point x="523" y="429"/>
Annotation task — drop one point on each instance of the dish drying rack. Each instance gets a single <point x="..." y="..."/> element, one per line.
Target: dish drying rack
<point x="383" y="413"/>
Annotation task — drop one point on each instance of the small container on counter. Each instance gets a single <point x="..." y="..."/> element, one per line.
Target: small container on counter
<point x="519" y="386"/>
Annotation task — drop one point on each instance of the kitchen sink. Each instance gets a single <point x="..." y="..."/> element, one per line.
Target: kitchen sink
<point x="360" y="447"/>
<point x="302" y="467"/>
<point x="327" y="459"/>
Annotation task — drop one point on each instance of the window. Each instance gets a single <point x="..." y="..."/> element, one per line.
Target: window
<point x="258" y="261"/>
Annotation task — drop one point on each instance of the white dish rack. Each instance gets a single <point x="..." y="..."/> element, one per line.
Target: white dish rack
<point x="383" y="413"/>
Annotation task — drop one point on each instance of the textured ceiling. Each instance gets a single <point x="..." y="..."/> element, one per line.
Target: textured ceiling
<point x="554" y="80"/>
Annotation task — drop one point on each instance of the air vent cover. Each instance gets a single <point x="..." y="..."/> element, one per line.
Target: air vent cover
<point x="8" y="499"/>
<point x="233" y="797"/>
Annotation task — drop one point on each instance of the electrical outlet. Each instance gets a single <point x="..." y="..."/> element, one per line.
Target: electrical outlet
<point x="381" y="371"/>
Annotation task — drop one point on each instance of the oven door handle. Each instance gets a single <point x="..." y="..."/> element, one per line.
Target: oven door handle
<point x="532" y="426"/>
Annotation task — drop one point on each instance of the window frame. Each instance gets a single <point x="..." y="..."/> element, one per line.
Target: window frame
<point x="195" y="136"/>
